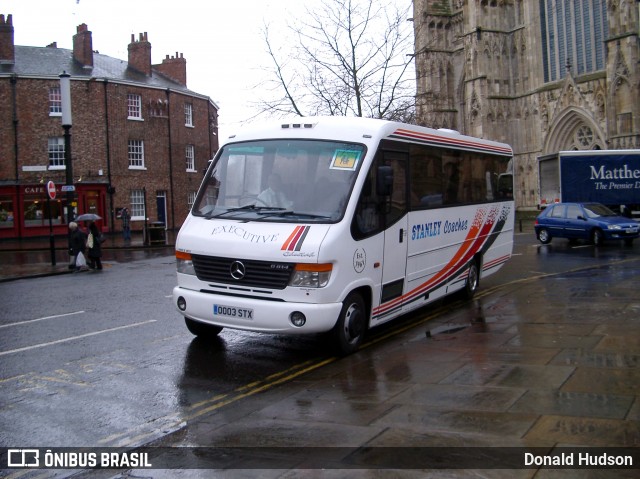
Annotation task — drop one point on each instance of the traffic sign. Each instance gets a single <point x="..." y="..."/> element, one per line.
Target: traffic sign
<point x="51" y="190"/>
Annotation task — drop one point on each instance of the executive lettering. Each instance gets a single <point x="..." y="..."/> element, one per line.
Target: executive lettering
<point x="245" y="235"/>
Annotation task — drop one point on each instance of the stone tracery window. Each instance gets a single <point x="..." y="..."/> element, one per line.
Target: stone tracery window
<point x="584" y="137"/>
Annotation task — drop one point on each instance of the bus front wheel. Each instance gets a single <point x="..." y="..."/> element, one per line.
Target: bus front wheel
<point x="352" y="324"/>
<point x="202" y="330"/>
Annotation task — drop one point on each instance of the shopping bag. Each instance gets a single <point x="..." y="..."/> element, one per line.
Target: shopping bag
<point x="90" y="241"/>
<point x="81" y="261"/>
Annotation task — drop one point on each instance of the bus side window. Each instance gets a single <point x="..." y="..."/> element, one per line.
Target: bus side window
<point x="451" y="179"/>
<point x="426" y="178"/>
<point x="378" y="209"/>
<point x="368" y="217"/>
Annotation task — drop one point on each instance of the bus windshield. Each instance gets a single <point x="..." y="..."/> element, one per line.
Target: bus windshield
<point x="280" y="180"/>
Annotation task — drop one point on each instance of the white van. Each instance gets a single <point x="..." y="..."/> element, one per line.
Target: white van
<point x="340" y="224"/>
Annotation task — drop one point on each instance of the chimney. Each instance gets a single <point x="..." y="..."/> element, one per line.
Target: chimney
<point x="83" y="46"/>
<point x="140" y="54"/>
<point x="7" y="53"/>
<point x="175" y="68"/>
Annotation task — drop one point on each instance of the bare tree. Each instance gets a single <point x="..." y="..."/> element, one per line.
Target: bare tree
<point x="344" y="57"/>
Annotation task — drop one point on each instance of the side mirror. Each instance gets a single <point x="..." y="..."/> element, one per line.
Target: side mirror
<point x="384" y="181"/>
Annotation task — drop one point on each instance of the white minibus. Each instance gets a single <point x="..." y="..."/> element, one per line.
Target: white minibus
<point x="331" y="224"/>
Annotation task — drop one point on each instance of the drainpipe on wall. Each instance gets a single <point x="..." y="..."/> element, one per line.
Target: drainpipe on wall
<point x="110" y="188"/>
<point x="14" y="81"/>
<point x="173" y="216"/>
<point x="18" y="206"/>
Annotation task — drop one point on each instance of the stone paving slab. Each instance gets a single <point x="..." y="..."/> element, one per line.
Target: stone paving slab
<point x="547" y="362"/>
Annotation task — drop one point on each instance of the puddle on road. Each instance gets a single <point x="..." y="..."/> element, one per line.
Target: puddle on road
<point x="446" y="329"/>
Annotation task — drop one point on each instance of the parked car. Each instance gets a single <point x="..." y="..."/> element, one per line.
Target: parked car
<point x="590" y="221"/>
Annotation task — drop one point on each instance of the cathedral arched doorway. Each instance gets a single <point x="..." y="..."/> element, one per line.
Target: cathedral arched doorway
<point x="574" y="130"/>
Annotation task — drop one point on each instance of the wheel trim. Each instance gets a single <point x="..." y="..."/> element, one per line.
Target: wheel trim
<point x="353" y="324"/>
<point x="472" y="280"/>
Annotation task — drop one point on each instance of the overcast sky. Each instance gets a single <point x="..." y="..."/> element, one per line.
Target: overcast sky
<point x="221" y="40"/>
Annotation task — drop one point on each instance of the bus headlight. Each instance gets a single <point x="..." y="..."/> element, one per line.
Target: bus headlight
<point x="184" y="263"/>
<point x="311" y="275"/>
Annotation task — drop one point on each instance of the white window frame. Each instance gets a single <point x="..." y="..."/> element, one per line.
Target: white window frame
<point x="191" y="199"/>
<point x="137" y="205"/>
<point x="56" y="153"/>
<point x="55" y="101"/>
<point x="136" y="155"/>
<point x="188" y="114"/>
<point x="134" y="106"/>
<point x="190" y="156"/>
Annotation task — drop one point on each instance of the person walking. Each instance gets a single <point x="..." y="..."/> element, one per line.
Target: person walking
<point x="94" y="241"/>
<point x="126" y="224"/>
<point x="77" y="240"/>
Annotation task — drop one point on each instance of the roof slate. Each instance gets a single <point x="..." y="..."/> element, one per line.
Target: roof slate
<point x="51" y="62"/>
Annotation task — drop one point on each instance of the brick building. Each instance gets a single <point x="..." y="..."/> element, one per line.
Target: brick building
<point x="139" y="137"/>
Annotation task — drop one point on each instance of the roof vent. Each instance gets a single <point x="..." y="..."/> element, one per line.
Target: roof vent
<point x="449" y="130"/>
<point x="285" y="126"/>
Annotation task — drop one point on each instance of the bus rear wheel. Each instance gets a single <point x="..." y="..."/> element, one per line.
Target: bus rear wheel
<point x="473" y="280"/>
<point x="348" y="332"/>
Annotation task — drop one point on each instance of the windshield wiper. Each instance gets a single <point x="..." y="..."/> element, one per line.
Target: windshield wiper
<point x="240" y="209"/>
<point x="287" y="212"/>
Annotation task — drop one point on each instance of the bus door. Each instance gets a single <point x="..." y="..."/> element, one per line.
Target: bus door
<point x="392" y="170"/>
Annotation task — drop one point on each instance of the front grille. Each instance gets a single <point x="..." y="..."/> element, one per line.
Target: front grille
<point x="257" y="274"/>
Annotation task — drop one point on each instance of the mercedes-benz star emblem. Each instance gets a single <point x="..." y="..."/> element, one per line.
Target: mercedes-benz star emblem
<point x="237" y="270"/>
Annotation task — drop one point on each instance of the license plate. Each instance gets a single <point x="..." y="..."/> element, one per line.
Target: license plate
<point x="232" y="311"/>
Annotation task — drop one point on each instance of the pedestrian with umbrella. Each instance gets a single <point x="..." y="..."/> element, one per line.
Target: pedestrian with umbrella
<point x="94" y="245"/>
<point x="88" y="217"/>
<point x="77" y="239"/>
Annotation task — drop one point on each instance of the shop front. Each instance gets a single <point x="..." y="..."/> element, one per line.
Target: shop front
<point x="28" y="211"/>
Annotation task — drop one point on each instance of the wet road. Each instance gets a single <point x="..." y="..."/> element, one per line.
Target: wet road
<point x="548" y="344"/>
<point x="114" y="344"/>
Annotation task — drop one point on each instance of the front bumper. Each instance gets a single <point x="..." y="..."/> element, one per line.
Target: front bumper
<point x="252" y="314"/>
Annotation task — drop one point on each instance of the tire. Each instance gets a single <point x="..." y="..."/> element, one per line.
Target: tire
<point x="544" y="236"/>
<point x="349" y="331"/>
<point x="472" y="282"/>
<point x="202" y="330"/>
<point x="597" y="237"/>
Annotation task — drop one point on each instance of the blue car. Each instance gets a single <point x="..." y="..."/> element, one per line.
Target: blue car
<point x="589" y="221"/>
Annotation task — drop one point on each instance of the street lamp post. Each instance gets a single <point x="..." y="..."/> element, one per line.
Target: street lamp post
<point x="65" y="103"/>
<point x="65" y="97"/>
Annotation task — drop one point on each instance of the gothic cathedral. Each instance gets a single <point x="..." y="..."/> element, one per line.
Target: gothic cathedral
<point x="542" y="75"/>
